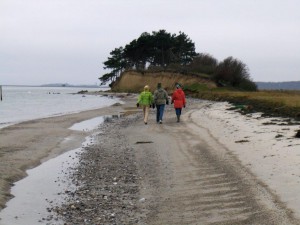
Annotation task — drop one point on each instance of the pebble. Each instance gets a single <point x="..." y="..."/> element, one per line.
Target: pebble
<point x="106" y="180"/>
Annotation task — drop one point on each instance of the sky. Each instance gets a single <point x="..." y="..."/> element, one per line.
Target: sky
<point x="67" y="41"/>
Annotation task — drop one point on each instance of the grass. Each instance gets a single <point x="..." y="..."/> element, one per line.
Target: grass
<point x="276" y="103"/>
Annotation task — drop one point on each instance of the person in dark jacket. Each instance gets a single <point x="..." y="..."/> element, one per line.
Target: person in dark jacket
<point x="160" y="100"/>
<point x="178" y="98"/>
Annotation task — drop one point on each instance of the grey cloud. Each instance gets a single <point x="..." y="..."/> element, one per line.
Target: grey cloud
<point x="67" y="40"/>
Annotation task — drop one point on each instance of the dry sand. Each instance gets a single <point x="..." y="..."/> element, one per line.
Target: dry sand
<point x="214" y="167"/>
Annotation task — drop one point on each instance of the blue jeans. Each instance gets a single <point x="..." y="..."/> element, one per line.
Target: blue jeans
<point x="160" y="112"/>
<point x="178" y="111"/>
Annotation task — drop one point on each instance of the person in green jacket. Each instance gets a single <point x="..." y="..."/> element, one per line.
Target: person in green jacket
<point x="145" y="100"/>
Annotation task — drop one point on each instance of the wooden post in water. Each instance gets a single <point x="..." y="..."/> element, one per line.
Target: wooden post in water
<point x="1" y="92"/>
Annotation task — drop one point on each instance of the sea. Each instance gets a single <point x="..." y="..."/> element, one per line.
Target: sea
<point x="33" y="198"/>
<point x="22" y="103"/>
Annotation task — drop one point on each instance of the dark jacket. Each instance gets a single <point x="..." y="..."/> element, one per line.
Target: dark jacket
<point x="160" y="96"/>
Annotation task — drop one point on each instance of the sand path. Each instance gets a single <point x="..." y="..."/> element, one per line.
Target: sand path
<point x="190" y="178"/>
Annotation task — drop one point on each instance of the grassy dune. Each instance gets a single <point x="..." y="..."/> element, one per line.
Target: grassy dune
<point x="275" y="103"/>
<point x="132" y="81"/>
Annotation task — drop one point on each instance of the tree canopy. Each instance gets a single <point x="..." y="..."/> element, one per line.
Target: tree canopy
<point x="157" y="49"/>
<point x="171" y="51"/>
<point x="235" y="73"/>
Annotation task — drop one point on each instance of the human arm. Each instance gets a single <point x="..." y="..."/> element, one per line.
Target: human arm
<point x="173" y="97"/>
<point x="152" y="99"/>
<point x="183" y="99"/>
<point x="139" y="100"/>
<point x="154" y="96"/>
<point x="167" y="97"/>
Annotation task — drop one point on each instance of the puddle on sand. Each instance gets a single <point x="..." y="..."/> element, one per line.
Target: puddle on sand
<point x="92" y="124"/>
<point x="44" y="184"/>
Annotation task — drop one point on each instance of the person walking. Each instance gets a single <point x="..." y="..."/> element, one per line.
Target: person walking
<point x="145" y="99"/>
<point x="178" y="98"/>
<point x="160" y="100"/>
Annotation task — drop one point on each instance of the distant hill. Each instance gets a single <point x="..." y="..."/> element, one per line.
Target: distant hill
<point x="69" y="85"/>
<point x="289" y="85"/>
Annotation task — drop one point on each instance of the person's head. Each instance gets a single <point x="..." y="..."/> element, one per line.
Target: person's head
<point x="159" y="85"/>
<point x="146" y="88"/>
<point x="177" y="86"/>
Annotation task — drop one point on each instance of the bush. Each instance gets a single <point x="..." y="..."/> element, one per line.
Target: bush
<point x="248" y="85"/>
<point x="196" y="87"/>
<point x="233" y="72"/>
<point x="203" y="63"/>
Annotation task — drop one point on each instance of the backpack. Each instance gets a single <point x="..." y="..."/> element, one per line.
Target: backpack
<point x="161" y="95"/>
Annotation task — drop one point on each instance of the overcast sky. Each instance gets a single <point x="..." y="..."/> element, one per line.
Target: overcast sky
<point x="67" y="41"/>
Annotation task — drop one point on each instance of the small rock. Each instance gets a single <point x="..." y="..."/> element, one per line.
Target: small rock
<point x="297" y="134"/>
<point x="142" y="199"/>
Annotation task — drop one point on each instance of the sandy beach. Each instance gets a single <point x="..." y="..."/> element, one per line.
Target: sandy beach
<point x="26" y="145"/>
<point x="216" y="166"/>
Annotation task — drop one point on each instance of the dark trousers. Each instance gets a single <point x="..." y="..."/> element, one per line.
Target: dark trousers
<point x="178" y="111"/>
<point x="160" y="112"/>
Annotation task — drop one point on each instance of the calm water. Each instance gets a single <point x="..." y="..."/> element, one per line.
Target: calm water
<point x="34" y="194"/>
<point x="26" y="103"/>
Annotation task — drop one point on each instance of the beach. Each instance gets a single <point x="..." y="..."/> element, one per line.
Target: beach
<point x="27" y="144"/>
<point x="217" y="166"/>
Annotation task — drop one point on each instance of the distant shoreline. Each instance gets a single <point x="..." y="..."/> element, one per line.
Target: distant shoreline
<point x="56" y="85"/>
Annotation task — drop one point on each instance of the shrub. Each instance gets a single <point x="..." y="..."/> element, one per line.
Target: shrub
<point x="231" y="71"/>
<point x="203" y="63"/>
<point x="248" y="85"/>
<point x="196" y="87"/>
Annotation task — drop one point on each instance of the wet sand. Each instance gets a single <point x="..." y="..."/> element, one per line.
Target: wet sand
<point x="26" y="145"/>
<point x="215" y="166"/>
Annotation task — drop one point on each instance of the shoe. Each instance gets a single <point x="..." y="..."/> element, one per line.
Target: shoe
<point x="160" y="122"/>
<point x="145" y="123"/>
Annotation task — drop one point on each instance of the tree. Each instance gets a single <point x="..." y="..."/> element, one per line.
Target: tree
<point x="138" y="52"/>
<point x="159" y="49"/>
<point x="116" y="63"/>
<point x="203" y="63"/>
<point x="233" y="72"/>
<point x="164" y="50"/>
<point x="162" y="43"/>
<point x="184" y="49"/>
<point x="108" y="77"/>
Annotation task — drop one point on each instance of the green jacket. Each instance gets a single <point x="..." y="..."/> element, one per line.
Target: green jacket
<point x="145" y="98"/>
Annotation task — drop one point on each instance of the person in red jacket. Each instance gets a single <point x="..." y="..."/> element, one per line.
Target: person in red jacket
<point x="178" y="98"/>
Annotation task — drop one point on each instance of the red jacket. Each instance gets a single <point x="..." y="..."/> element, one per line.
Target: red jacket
<point x="178" y="98"/>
